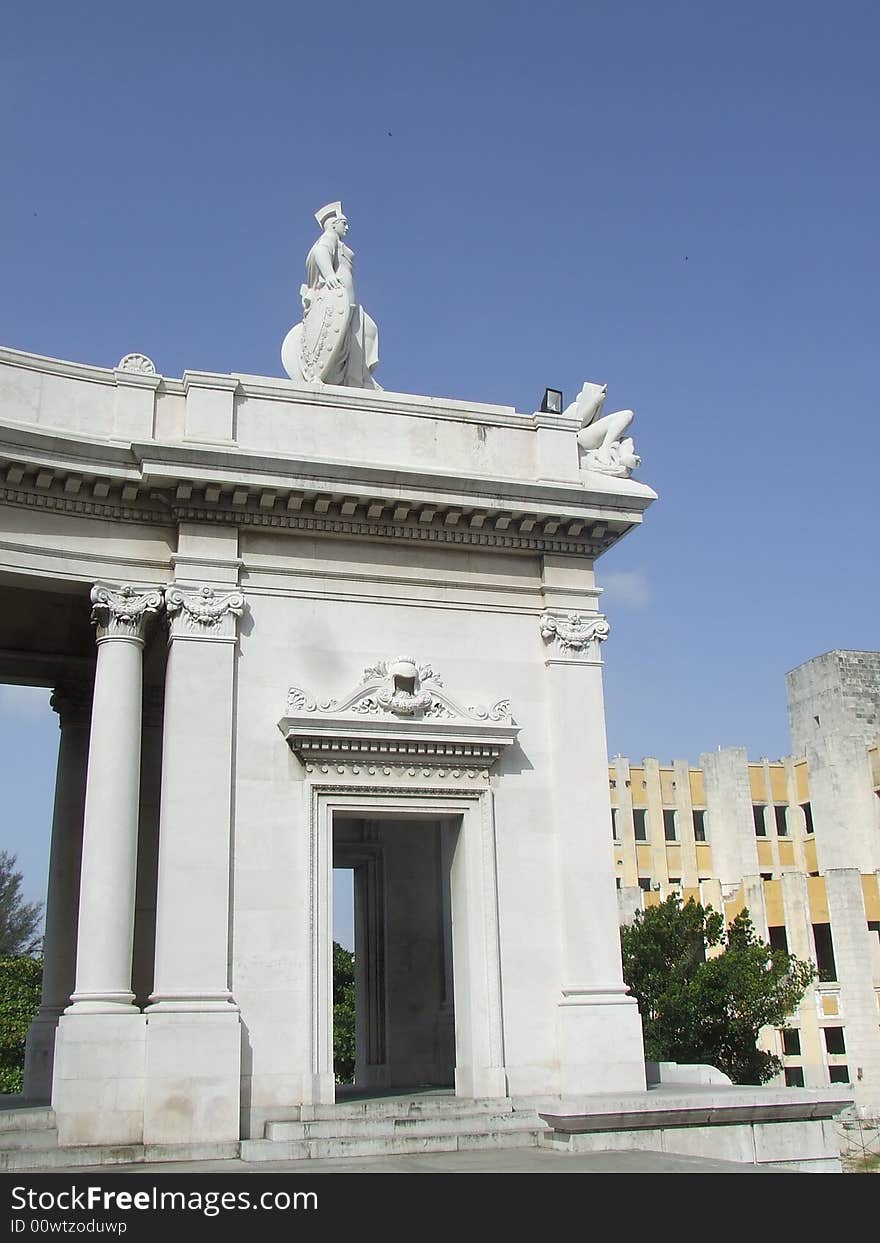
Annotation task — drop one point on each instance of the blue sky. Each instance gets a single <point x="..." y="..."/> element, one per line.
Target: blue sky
<point x="678" y="199"/>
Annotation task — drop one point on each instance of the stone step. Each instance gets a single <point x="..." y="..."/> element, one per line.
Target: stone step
<point x="370" y="1127"/>
<point x="403" y="1107"/>
<point x="54" y="1158"/>
<point x="26" y="1118"/>
<point x="46" y="1137"/>
<point x="257" y="1150"/>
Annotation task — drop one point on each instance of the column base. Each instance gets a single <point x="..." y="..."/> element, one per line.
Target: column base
<point x="98" y="1081"/>
<point x="39" y="1055"/>
<point x="600" y="1042"/>
<point x="193" y="1076"/>
<point x="102" y="1003"/>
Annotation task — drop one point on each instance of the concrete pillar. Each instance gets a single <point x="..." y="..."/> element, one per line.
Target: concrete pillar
<point x="193" y="1046"/>
<point x="101" y="1034"/>
<point x="72" y="700"/>
<point x="600" y="1035"/>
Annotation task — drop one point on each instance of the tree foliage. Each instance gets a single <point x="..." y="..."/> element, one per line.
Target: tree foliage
<point x="20" y="981"/>
<point x="709" y="1010"/>
<point x="19" y="920"/>
<point x="343" y="1014"/>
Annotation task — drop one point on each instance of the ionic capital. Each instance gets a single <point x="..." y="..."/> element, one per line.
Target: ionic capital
<point x="574" y="634"/>
<point x="203" y="611"/>
<point x="123" y="612"/>
<point x="72" y="699"/>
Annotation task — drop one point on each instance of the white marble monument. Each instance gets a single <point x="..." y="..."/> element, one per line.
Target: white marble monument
<point x="329" y="624"/>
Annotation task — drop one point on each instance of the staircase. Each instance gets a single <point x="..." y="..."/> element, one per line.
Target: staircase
<point x="397" y="1125"/>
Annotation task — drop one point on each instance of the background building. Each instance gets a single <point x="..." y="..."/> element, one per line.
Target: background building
<point x="797" y="841"/>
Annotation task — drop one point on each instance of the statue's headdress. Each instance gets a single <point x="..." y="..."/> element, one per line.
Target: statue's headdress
<point x="330" y="211"/>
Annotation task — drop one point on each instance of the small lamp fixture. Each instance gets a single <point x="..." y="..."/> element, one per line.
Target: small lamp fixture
<point x="552" y="401"/>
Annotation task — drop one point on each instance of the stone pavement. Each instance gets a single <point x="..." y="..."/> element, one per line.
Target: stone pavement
<point x="490" y="1161"/>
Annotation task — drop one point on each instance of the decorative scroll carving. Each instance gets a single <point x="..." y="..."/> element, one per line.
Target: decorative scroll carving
<point x="573" y="632"/>
<point x="398" y="716"/>
<point x="123" y="612"/>
<point x="138" y="363"/>
<point x="402" y="688"/>
<point x="202" y="608"/>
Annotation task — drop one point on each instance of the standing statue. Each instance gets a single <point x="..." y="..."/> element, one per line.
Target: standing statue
<point x="601" y="437"/>
<point x="337" y="342"/>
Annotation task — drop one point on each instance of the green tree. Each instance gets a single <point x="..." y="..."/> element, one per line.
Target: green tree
<point x="343" y="1014"/>
<point x="709" y="1010"/>
<point x="19" y="920"/>
<point x="20" y="981"/>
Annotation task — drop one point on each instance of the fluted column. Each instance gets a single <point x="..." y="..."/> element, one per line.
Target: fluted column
<point x="599" y="1028"/>
<point x="109" y="856"/>
<point x="72" y="700"/>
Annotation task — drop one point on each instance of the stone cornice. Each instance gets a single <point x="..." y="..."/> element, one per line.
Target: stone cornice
<point x="154" y="483"/>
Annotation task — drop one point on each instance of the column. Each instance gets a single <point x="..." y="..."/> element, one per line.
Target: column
<point x="193" y="1032"/>
<point x="72" y="700"/>
<point x="600" y="1034"/>
<point x="98" y="1081"/>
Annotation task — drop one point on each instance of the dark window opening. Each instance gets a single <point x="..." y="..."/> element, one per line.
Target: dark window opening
<point x="615" y="834"/>
<point x="618" y="883"/>
<point x="834" y="1040"/>
<point x="838" y="1074"/>
<point x="675" y="880"/>
<point x="640" y="823"/>
<point x="791" y="1041"/>
<point x="824" y="952"/>
<point x="766" y="876"/>
<point x="874" y="926"/>
<point x="807" y="809"/>
<point x="645" y="883"/>
<point x="778" y="938"/>
<point x="781" y="822"/>
<point x="794" y="1077"/>
<point x="699" y="826"/>
<point x="669" y="825"/>
<point x="758" y="814"/>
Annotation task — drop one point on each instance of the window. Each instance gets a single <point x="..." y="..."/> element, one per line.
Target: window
<point x="794" y="1077"/>
<point x="618" y="882"/>
<point x="615" y="833"/>
<point x="640" y="823"/>
<point x="669" y="825"/>
<point x="808" y="816"/>
<point x="874" y="926"/>
<point x="645" y="883"/>
<point x="675" y="880"/>
<point x="824" y="952"/>
<point x="766" y="876"/>
<point x="781" y="822"/>
<point x="838" y="1074"/>
<point x="778" y="938"/>
<point x="758" y="814"/>
<point x="699" y="825"/>
<point x="834" y="1041"/>
<point x="791" y="1041"/>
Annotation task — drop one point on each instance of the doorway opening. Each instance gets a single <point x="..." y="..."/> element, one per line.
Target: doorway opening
<point x="403" y="962"/>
